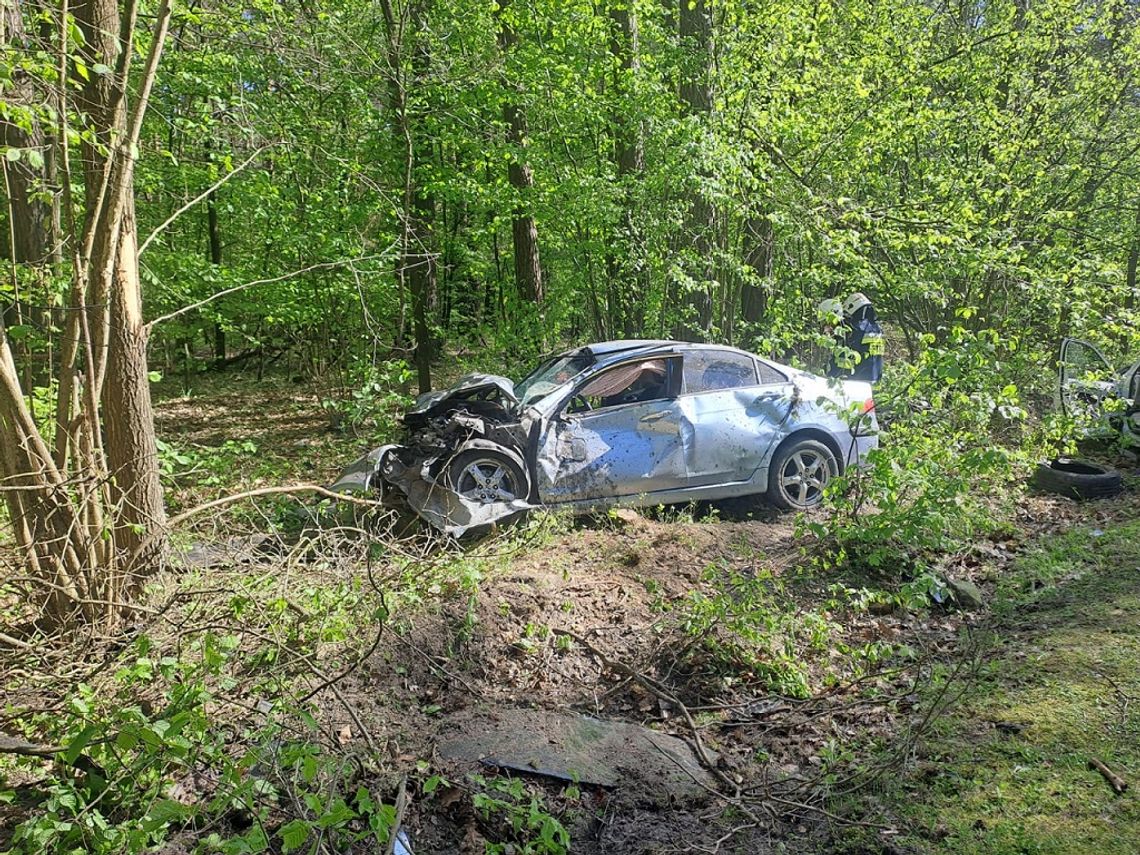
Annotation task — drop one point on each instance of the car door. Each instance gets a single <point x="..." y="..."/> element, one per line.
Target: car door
<point x="625" y="443"/>
<point x="1084" y="380"/>
<point x="737" y="406"/>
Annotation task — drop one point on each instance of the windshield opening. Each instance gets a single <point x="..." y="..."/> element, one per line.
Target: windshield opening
<point x="550" y="375"/>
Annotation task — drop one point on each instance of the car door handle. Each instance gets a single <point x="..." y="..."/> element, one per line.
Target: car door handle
<point x="767" y="398"/>
<point x="653" y="417"/>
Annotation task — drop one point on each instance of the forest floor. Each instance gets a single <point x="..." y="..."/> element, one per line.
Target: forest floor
<point x="521" y="685"/>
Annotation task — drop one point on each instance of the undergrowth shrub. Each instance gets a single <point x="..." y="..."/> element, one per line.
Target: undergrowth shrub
<point x="375" y="396"/>
<point x="744" y="627"/>
<point x="955" y="446"/>
<point x="145" y="759"/>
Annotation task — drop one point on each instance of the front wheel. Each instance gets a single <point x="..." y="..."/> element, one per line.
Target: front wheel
<point x="799" y="473"/>
<point x="486" y="477"/>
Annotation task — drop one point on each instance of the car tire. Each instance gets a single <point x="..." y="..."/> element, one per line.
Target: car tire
<point x="1077" y="479"/>
<point x="486" y="476"/>
<point x="799" y="472"/>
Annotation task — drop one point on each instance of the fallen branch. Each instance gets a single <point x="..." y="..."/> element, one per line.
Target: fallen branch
<point x="401" y="807"/>
<point x="239" y="497"/>
<point x="1118" y="784"/>
<point x="16" y="745"/>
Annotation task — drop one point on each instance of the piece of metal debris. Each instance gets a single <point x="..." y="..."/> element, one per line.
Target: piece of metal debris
<point x="655" y="766"/>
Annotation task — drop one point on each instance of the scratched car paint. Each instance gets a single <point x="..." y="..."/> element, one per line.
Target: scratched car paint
<point x="632" y="423"/>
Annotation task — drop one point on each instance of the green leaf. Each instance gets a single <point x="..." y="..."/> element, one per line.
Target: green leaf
<point x="12" y="155"/>
<point x="293" y="835"/>
<point x="164" y="812"/>
<point x="75" y="748"/>
<point x="20" y="331"/>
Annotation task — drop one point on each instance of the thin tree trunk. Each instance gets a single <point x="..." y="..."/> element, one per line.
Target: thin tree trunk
<point x="1130" y="294"/>
<point x="625" y="262"/>
<point x="758" y="258"/>
<point x="417" y="260"/>
<point x="215" y="238"/>
<point x="524" y="231"/>
<point x="696" y="94"/>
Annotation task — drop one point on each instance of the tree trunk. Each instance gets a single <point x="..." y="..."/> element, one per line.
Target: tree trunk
<point x="524" y="231"/>
<point x="71" y="498"/>
<point x="215" y="237"/>
<point x="31" y="217"/>
<point x="1130" y="266"/>
<point x="416" y="267"/>
<point x="626" y="265"/>
<point x="132" y="454"/>
<point x="758" y="257"/>
<point x="696" y="95"/>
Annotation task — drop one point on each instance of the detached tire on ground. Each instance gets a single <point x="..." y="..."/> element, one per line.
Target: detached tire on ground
<point x="799" y="471"/>
<point x="1077" y="479"/>
<point x="486" y="476"/>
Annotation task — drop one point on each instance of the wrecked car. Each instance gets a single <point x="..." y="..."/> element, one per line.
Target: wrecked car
<point x="632" y="423"/>
<point x="1104" y="400"/>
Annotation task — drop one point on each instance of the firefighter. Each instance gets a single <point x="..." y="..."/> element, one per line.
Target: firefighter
<point x="861" y="357"/>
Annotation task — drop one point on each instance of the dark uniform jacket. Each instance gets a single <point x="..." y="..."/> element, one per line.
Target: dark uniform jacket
<point x="861" y="355"/>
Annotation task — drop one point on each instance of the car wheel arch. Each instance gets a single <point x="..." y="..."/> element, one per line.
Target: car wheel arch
<point x="476" y="446"/>
<point x="818" y="435"/>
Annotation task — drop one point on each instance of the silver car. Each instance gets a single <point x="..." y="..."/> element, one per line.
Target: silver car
<point x="633" y="423"/>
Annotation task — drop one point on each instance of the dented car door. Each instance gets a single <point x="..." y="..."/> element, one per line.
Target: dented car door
<point x="1084" y="381"/>
<point x="615" y="447"/>
<point x="736" y="415"/>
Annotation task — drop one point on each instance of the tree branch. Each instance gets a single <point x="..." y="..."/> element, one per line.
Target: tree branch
<point x="202" y="196"/>
<point x="324" y="265"/>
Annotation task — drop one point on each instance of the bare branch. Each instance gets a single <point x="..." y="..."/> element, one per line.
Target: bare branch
<point x="324" y="265"/>
<point x="202" y="196"/>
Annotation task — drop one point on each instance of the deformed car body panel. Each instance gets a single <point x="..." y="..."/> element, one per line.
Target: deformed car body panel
<point x="617" y="452"/>
<point x="616" y="423"/>
<point x="1089" y="389"/>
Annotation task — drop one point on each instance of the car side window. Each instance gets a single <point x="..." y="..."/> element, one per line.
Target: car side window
<point x="630" y="383"/>
<point x="712" y="370"/>
<point x="770" y="375"/>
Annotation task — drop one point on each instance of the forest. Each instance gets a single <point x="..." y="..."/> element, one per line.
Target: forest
<point x="237" y="240"/>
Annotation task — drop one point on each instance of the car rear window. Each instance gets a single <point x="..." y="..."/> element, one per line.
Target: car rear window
<point x="711" y="370"/>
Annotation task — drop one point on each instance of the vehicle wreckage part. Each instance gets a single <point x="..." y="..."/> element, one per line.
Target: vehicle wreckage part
<point x="484" y="476"/>
<point x="1077" y="479"/>
<point x="800" y="471"/>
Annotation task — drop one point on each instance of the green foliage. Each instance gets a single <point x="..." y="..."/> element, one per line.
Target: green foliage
<point x="128" y="775"/>
<point x="745" y="632"/>
<point x="375" y="398"/>
<point x="519" y="811"/>
<point x="947" y="464"/>
<point x="204" y="465"/>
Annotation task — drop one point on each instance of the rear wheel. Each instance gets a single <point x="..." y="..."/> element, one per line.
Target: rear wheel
<point x="799" y="473"/>
<point x="486" y="477"/>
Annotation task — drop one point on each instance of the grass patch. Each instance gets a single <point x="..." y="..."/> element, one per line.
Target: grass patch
<point x="1007" y="772"/>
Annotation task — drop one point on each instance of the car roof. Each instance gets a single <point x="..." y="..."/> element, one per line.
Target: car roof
<point x="606" y="352"/>
<point x="606" y="348"/>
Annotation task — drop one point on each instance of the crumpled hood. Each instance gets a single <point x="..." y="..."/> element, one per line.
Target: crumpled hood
<point x="468" y="385"/>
